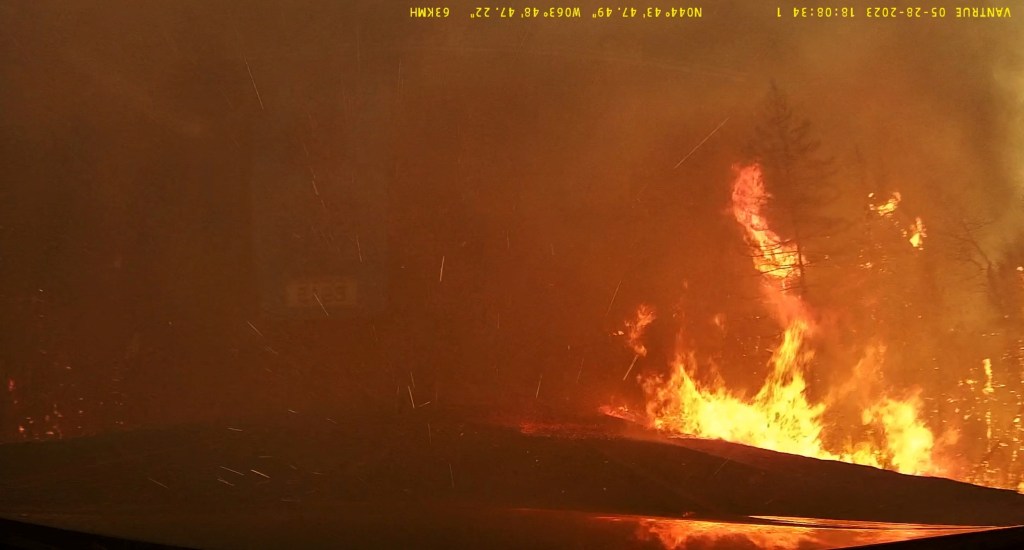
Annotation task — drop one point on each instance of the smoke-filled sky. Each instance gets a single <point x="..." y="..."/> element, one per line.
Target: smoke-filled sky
<point x="534" y="189"/>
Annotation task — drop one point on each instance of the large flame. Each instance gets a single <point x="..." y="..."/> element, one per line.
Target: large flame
<point x="777" y="259"/>
<point x="780" y="416"/>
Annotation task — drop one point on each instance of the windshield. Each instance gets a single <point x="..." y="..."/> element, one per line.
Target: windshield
<point x="718" y="258"/>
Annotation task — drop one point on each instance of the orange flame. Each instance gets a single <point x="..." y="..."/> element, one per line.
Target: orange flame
<point x="777" y="259"/>
<point x="780" y="416"/>
<point x="915" y="234"/>
<point x="644" y="317"/>
<point x="908" y="442"/>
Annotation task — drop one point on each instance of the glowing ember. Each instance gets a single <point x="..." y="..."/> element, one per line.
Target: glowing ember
<point x="917" y="234"/>
<point x="987" y="390"/>
<point x="987" y="366"/>
<point x="887" y="208"/>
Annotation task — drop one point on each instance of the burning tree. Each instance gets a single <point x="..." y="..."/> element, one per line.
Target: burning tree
<point x="784" y="147"/>
<point x="781" y="201"/>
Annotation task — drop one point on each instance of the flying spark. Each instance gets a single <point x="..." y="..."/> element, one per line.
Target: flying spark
<point x="317" y="296"/>
<point x="256" y="330"/>
<point x="359" y="53"/>
<point x="253" y="80"/>
<point x="614" y="294"/>
<point x="631" y="365"/>
<point x="702" y="142"/>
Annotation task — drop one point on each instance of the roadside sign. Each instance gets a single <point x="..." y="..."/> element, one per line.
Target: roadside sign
<point x="320" y="168"/>
<point x="327" y="292"/>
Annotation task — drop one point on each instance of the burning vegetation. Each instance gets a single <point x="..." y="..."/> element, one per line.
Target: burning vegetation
<point x="780" y="415"/>
<point x="859" y="306"/>
<point x="857" y="413"/>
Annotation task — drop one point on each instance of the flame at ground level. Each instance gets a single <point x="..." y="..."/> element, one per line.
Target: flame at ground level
<point x="891" y="433"/>
<point x="780" y="417"/>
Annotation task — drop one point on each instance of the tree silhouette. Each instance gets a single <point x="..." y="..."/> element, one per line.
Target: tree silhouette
<point x="795" y="175"/>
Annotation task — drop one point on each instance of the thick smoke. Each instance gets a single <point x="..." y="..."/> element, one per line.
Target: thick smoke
<point x="564" y="170"/>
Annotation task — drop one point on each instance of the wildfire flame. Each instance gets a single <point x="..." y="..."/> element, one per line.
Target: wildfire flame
<point x="635" y="328"/>
<point x="908" y="442"/>
<point x="775" y="258"/>
<point x="915" y="234"/>
<point x="780" y="416"/>
<point x="887" y="208"/>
